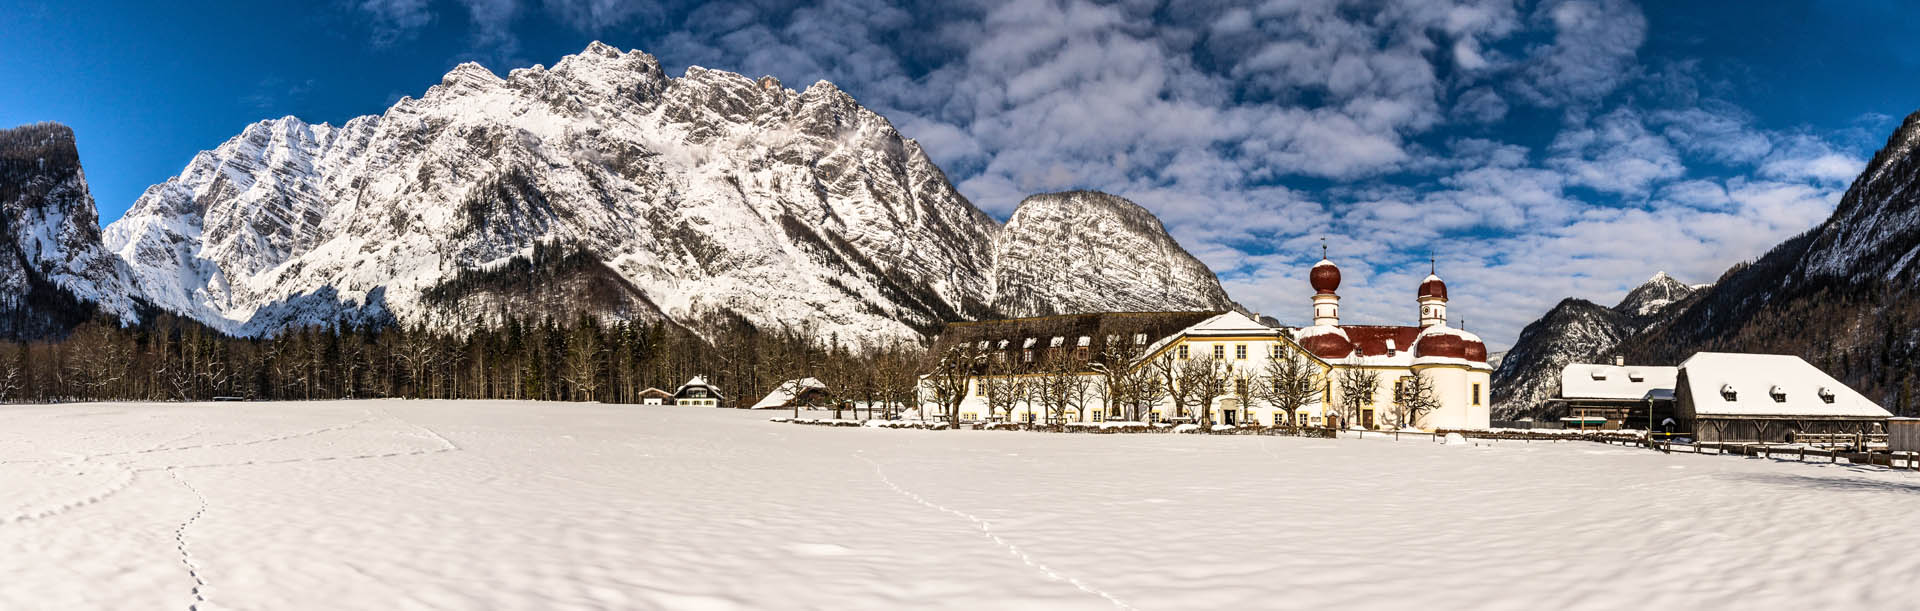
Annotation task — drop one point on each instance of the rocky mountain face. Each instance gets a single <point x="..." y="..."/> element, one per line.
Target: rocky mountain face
<point x="53" y="271"/>
<point x="1085" y="251"/>
<point x="1843" y="296"/>
<point x="684" y="199"/>
<point x="1578" y="331"/>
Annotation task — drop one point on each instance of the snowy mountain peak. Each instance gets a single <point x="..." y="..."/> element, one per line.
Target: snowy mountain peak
<point x="1097" y="249"/>
<point x="677" y="199"/>
<point x="1654" y="295"/>
<point x="50" y="235"/>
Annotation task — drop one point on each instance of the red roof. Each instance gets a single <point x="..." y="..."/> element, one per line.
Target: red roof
<point x="1371" y="340"/>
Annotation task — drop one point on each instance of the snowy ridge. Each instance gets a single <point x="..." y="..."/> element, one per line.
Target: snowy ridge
<point x="51" y="228"/>
<point x="1874" y="234"/>
<point x="1085" y="251"/>
<point x="710" y="194"/>
<point x="1578" y="331"/>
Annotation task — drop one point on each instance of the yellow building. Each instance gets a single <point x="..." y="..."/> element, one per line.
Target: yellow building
<point x="1219" y="368"/>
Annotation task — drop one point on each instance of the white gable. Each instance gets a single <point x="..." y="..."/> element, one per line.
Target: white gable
<point x="1589" y="381"/>
<point x="1728" y="384"/>
<point x="1230" y="323"/>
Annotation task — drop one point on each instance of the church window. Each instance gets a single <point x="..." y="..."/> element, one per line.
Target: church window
<point x="1476" y="394"/>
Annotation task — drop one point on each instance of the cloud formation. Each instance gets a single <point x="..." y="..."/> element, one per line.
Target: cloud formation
<point x="1256" y="129"/>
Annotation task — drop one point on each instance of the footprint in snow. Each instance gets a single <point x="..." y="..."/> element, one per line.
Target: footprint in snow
<point x="818" y="549"/>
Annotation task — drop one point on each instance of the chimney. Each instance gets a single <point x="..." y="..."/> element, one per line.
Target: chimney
<point x="1619" y="361"/>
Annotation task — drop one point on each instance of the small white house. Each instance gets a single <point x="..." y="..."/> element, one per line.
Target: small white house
<point x="655" y="396"/>
<point x="698" y="393"/>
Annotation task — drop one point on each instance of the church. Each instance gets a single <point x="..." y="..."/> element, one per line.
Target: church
<point x="1012" y="360"/>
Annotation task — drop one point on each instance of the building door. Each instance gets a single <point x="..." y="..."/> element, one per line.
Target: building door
<point x="1366" y="418"/>
<point x="1227" y="417"/>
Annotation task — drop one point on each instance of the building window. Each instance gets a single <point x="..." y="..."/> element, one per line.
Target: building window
<point x="1476" y="394"/>
<point x="1080" y="353"/>
<point x="1240" y="351"/>
<point x="1219" y="352"/>
<point x="1240" y="387"/>
<point x="1027" y="355"/>
<point x="1183" y="352"/>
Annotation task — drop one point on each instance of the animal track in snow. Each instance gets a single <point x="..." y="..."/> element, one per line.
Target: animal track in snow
<point x="119" y="483"/>
<point x="987" y="529"/>
<point x="180" y="541"/>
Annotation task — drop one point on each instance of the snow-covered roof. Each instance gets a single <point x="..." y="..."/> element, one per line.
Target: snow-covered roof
<point x="700" y="382"/>
<point x="1230" y="323"/>
<point x="1732" y="384"/>
<point x="1634" y="382"/>
<point x="786" y="391"/>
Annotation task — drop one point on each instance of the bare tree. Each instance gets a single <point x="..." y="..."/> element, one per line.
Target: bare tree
<point x="1289" y="383"/>
<point x="1197" y="382"/>
<point x="583" y="361"/>
<point x="1057" y="386"/>
<point x="896" y="371"/>
<point x="1358" y="385"/>
<point x="1414" y="397"/>
<point x="950" y="375"/>
<point x="10" y="372"/>
<point x="1004" y="389"/>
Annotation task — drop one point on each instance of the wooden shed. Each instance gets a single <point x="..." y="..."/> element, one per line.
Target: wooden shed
<point x="1768" y="398"/>
<point x="1903" y="434"/>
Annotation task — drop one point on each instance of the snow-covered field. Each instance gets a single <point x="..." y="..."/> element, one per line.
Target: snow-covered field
<point x="407" y="505"/>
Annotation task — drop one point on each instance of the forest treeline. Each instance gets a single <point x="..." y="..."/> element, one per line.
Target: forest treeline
<point x="169" y="358"/>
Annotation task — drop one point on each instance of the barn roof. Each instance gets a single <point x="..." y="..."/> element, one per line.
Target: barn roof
<point x="1599" y="381"/>
<point x="1769" y="385"/>
<point x="655" y="392"/>
<point x="785" y="393"/>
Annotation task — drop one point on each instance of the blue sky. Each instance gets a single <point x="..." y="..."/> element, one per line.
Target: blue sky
<point x="1538" y="149"/>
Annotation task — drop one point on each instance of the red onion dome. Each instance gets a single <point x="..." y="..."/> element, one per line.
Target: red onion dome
<point x="1328" y="345"/>
<point x="1433" y="287"/>
<point x="1325" y="277"/>
<point x="1444" y="345"/>
<point x="1476" y="352"/>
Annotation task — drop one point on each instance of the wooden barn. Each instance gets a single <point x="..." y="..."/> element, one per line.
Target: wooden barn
<point x="655" y="396"/>
<point x="1768" y="398"/>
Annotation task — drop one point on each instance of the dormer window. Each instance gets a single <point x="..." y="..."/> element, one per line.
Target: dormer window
<point x="1779" y="394"/>
<point x="1826" y="394"/>
<point x="1635" y="376"/>
<point x="1139" y="339"/>
<point x="1599" y="375"/>
<point x="1727" y="392"/>
<point x="1392" y="349"/>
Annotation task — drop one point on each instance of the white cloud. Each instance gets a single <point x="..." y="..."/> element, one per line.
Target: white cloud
<point x="1615" y="153"/>
<point x="1385" y="117"/>
<point x="1592" y="54"/>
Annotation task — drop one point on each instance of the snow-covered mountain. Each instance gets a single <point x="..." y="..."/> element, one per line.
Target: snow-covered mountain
<point x="1842" y="296"/>
<point x="1576" y="331"/>
<point x="50" y="251"/>
<point x="1085" y="251"/>
<point x="706" y="195"/>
